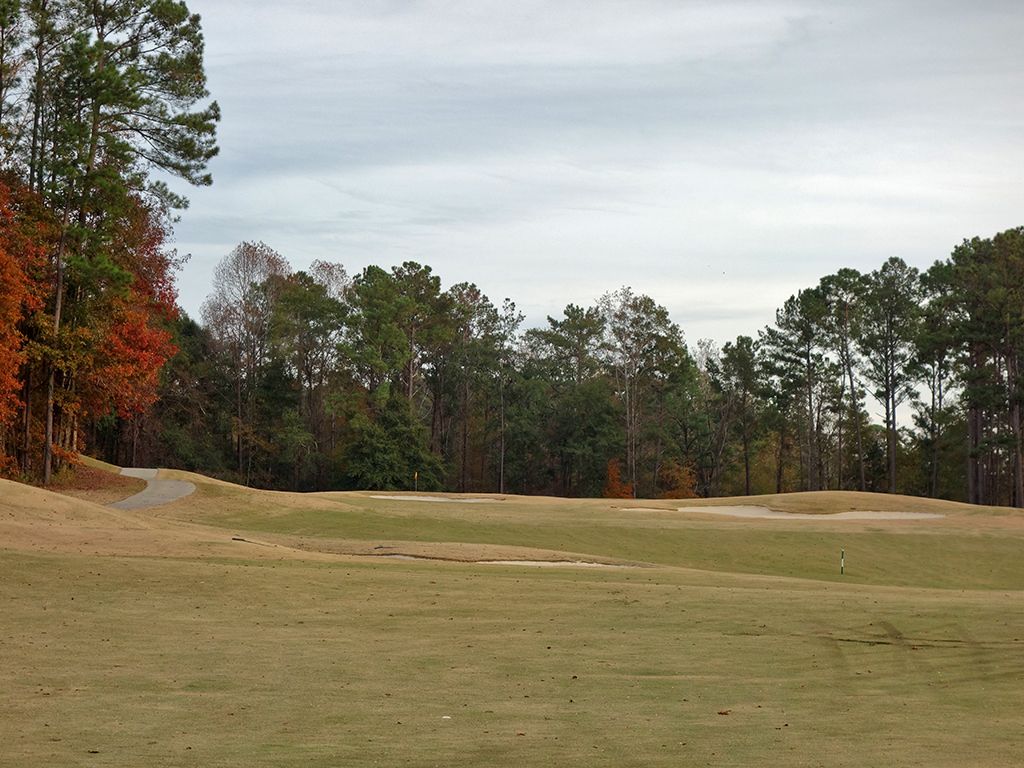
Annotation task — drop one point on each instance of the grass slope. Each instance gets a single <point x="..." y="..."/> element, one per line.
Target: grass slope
<point x="173" y="645"/>
<point x="96" y="481"/>
<point x="974" y="548"/>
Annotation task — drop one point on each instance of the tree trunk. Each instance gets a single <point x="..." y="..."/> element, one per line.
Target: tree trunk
<point x="135" y="441"/>
<point x="933" y="479"/>
<point x="779" y="466"/>
<point x="1015" y="426"/>
<point x="501" y="451"/>
<point x="52" y="374"/>
<point x="890" y="416"/>
<point x="35" y="169"/>
<point x="855" y="411"/>
<point x="437" y="414"/>
<point x="839" y="474"/>
<point x="239" y="415"/>
<point x="48" y="438"/>
<point x="465" y="437"/>
<point x="411" y="367"/>
<point x="890" y="439"/>
<point x="26" y="434"/>
<point x="629" y="396"/>
<point x="973" y="464"/>
<point x="746" y="461"/>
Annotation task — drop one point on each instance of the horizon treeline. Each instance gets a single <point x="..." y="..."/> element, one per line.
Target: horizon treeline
<point x="315" y="380"/>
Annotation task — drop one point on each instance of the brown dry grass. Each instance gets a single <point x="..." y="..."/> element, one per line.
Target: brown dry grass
<point x="36" y="520"/>
<point x="133" y="638"/>
<point x="95" y="484"/>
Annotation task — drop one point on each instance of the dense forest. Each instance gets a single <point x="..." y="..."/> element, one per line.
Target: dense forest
<point x="313" y="380"/>
<point x="317" y="379"/>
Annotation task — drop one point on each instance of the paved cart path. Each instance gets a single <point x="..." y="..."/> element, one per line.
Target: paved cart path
<point x="157" y="491"/>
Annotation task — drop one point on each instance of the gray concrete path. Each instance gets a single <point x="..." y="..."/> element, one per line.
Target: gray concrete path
<point x="157" y="492"/>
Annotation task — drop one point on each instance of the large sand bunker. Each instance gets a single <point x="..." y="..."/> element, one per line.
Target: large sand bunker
<point x="763" y="513"/>
<point x="554" y="563"/>
<point x="446" y="499"/>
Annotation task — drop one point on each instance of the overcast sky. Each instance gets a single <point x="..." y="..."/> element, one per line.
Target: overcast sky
<point x="717" y="156"/>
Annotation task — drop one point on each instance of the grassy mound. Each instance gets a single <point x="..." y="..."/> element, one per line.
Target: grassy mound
<point x="96" y="484"/>
<point x="970" y="547"/>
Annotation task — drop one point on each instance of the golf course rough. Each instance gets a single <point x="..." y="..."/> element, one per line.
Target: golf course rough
<point x="234" y="627"/>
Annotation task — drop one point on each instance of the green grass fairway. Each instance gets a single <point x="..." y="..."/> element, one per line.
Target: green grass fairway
<point x="153" y="639"/>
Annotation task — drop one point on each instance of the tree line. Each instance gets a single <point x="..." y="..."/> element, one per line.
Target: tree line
<point x="315" y="379"/>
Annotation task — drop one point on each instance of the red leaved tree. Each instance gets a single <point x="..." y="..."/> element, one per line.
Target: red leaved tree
<point x="128" y="360"/>
<point x="22" y="261"/>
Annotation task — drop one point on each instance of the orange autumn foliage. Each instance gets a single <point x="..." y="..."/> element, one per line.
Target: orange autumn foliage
<point x="678" y="481"/>
<point x="12" y="296"/>
<point x="142" y="251"/>
<point x="614" y="488"/>
<point x="133" y="347"/>
<point x="113" y="342"/>
<point x="21" y="253"/>
<point x="128" y="361"/>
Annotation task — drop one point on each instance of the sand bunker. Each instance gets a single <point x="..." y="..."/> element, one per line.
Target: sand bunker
<point x="763" y="513"/>
<point x="533" y="563"/>
<point x="552" y="563"/>
<point x="432" y="498"/>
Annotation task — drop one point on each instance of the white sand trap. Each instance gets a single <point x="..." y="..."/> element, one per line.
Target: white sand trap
<point x="433" y="498"/>
<point x="552" y="563"/>
<point x="533" y="563"/>
<point x="763" y="513"/>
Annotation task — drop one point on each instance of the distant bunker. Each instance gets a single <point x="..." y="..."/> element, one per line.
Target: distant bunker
<point x="763" y="513"/>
